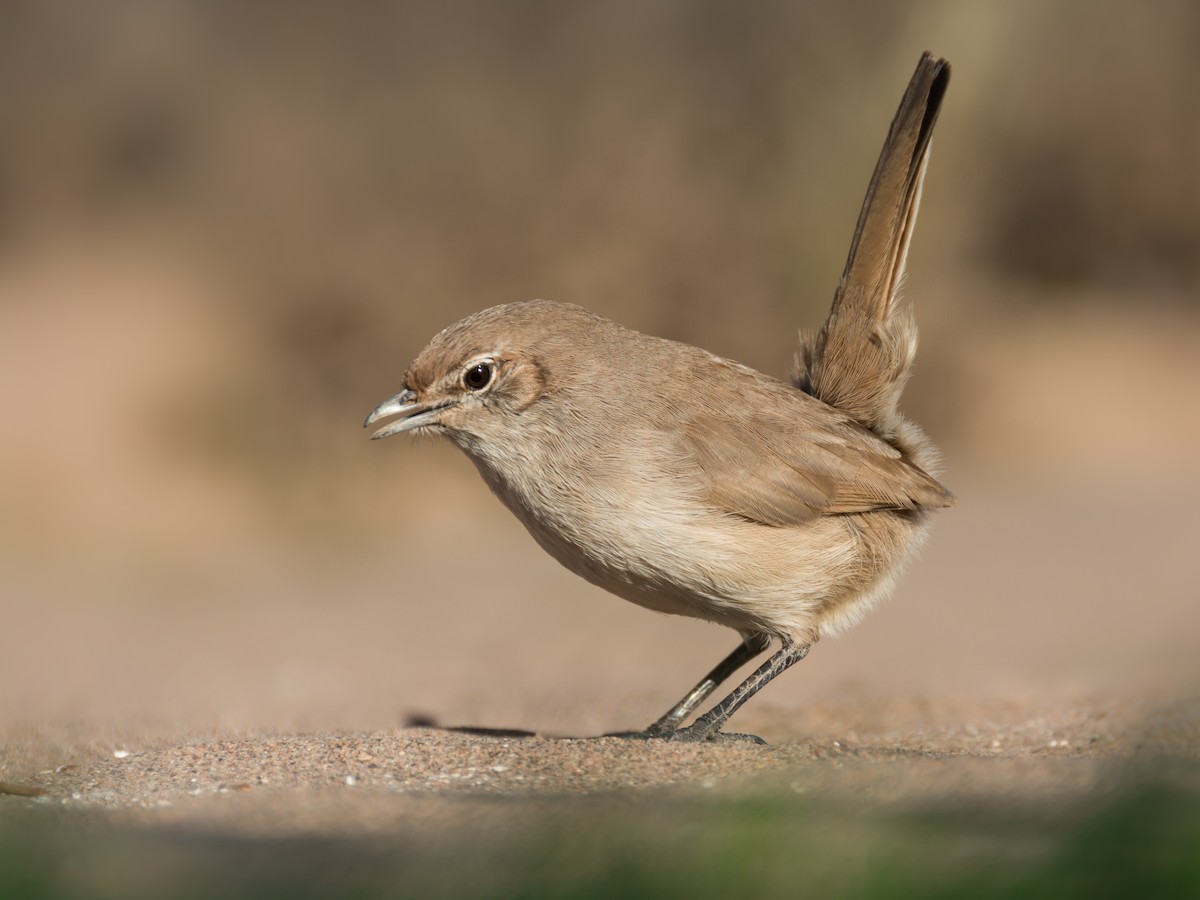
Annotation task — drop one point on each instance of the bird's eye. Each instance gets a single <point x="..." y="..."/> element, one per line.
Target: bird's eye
<point x="478" y="376"/>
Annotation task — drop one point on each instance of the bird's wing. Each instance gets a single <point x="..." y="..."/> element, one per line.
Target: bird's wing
<point x="807" y="460"/>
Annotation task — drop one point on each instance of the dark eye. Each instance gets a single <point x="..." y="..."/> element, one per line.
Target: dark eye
<point x="478" y="376"/>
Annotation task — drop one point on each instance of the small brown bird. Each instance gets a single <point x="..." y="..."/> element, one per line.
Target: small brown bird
<point x="690" y="484"/>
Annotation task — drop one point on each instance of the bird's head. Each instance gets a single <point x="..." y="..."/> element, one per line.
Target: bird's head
<point x="476" y="380"/>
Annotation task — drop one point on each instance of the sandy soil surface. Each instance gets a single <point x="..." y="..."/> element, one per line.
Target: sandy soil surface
<point x="277" y="711"/>
<point x="266" y="784"/>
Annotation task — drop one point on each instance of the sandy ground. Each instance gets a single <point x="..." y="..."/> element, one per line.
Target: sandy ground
<point x="279" y="712"/>
<point x="276" y="784"/>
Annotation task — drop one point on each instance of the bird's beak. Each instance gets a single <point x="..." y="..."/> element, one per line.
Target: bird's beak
<point x="414" y="414"/>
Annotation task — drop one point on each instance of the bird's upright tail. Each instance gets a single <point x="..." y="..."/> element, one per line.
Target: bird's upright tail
<point x="859" y="360"/>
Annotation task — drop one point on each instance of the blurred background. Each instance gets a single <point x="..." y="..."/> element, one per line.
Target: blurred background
<point x="226" y="228"/>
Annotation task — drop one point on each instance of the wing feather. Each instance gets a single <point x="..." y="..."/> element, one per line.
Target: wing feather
<point x="789" y="469"/>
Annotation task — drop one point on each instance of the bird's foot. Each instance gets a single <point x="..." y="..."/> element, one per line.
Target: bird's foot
<point x="701" y="733"/>
<point x="698" y="733"/>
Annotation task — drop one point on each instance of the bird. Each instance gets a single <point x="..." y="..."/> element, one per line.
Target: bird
<point x="692" y="485"/>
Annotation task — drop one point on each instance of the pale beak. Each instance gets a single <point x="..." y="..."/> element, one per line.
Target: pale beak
<point x="404" y="404"/>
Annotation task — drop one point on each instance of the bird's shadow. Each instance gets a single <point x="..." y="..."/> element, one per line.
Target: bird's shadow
<point x="418" y="720"/>
<point x="421" y="721"/>
<point x="424" y="721"/>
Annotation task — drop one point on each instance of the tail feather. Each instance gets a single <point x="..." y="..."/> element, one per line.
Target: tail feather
<point x="860" y="358"/>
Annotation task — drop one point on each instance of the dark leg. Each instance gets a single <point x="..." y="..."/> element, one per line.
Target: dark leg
<point x="708" y="726"/>
<point x="750" y="647"/>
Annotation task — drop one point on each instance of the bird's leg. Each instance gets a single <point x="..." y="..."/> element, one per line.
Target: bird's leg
<point x="708" y="726"/>
<point x="752" y="644"/>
